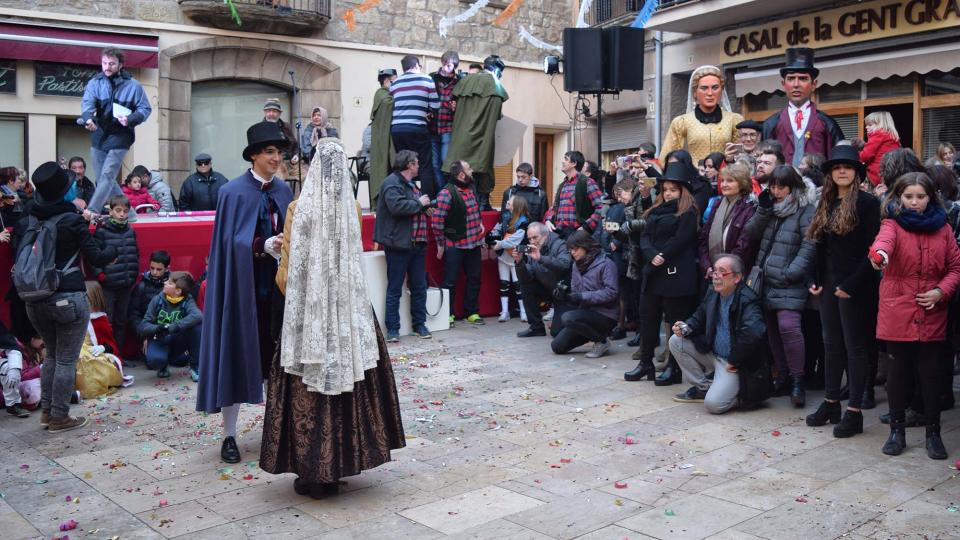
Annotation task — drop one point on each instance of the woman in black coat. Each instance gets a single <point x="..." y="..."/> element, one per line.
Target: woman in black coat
<point x="670" y="277"/>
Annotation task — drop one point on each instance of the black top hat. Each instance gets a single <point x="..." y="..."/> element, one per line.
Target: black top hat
<point x="751" y="124"/>
<point x="844" y="154"/>
<point x="678" y="173"/>
<point x="52" y="181"/>
<point x="800" y="60"/>
<point x="263" y="134"/>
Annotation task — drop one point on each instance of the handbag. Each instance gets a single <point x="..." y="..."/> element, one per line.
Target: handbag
<point x="755" y="277"/>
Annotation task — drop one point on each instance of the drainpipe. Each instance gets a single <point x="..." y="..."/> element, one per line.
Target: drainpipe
<point x="658" y="85"/>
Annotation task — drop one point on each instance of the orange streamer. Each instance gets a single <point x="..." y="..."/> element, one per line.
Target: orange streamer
<point x="351" y="20"/>
<point x="367" y="5"/>
<point x="507" y="12"/>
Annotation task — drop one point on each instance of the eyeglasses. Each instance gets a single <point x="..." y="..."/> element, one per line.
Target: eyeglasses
<point x="721" y="274"/>
<point x="749" y="135"/>
<point x="202" y="163"/>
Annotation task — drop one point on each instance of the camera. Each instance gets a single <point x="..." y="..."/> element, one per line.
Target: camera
<point x="611" y="226"/>
<point x="562" y="291"/>
<point x="523" y="248"/>
<point x="492" y="238"/>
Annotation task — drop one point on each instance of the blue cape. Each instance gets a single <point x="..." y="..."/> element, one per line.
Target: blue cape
<point x="230" y="345"/>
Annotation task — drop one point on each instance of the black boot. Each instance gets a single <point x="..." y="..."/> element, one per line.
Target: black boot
<point x="935" y="449"/>
<point x="869" y="400"/>
<point x="798" y="396"/>
<point x="670" y="375"/>
<point x="897" y="440"/>
<point x="229" y="451"/>
<point x="643" y="369"/>
<point x="780" y="388"/>
<point x="825" y="412"/>
<point x="634" y="341"/>
<point x="850" y="425"/>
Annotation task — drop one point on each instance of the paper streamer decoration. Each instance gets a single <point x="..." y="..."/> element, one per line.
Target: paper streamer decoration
<point x="582" y="17"/>
<point x="447" y="22"/>
<point x="351" y="19"/>
<point x="643" y="17"/>
<point x="233" y="11"/>
<point x="525" y="35"/>
<point x="507" y="12"/>
<point x="367" y="5"/>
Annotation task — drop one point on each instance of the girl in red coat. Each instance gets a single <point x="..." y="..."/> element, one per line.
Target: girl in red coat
<point x="921" y="270"/>
<point x="882" y="137"/>
<point x="138" y="195"/>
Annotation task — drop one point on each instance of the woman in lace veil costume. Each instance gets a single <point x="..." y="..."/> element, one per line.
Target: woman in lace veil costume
<point x="332" y="408"/>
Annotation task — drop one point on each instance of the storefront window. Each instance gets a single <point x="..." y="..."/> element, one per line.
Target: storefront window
<point x="940" y="125"/>
<point x="938" y="83"/>
<point x="848" y="125"/>
<point x="766" y="101"/>
<point x="839" y="92"/>
<point x="894" y="86"/>
<point x="12" y="142"/>
<point x="221" y="112"/>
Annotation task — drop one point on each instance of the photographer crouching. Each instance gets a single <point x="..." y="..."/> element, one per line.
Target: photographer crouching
<point x="541" y="264"/>
<point x="593" y="298"/>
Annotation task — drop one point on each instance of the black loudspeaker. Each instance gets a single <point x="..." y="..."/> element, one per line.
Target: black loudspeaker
<point x="623" y="55"/>
<point x="583" y="66"/>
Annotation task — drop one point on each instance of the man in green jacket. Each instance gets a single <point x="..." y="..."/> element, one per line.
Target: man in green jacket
<point x="381" y="146"/>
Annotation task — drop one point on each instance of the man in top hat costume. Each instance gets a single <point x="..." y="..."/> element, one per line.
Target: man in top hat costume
<point x="800" y="127"/>
<point x="708" y="124"/>
<point x="381" y="145"/>
<point x="236" y="345"/>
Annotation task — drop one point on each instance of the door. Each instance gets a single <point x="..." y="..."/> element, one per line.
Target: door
<point x="543" y="161"/>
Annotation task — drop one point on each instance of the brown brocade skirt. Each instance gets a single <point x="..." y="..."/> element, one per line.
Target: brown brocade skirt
<point x="324" y="438"/>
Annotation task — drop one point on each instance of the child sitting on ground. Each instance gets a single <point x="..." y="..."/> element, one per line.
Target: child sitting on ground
<point x="151" y="284"/>
<point x="140" y="198"/>
<point x="11" y="373"/>
<point x="117" y="278"/>
<point x="173" y="324"/>
<point x="99" y="371"/>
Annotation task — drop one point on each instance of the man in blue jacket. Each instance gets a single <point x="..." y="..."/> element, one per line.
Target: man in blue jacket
<point x="113" y="104"/>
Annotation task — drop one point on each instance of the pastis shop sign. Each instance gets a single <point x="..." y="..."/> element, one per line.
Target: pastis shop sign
<point x="69" y="80"/>
<point x="850" y="24"/>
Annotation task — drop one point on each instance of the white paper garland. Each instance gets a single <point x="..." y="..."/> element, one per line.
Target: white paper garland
<point x="582" y="17"/>
<point x="447" y="22"/>
<point x="525" y="35"/>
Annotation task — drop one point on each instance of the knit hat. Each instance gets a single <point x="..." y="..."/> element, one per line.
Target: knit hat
<point x="273" y="103"/>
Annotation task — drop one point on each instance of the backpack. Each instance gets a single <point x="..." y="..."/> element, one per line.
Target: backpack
<point x="35" y="273"/>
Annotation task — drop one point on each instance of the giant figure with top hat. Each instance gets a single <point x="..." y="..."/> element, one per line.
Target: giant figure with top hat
<point x="800" y="127"/>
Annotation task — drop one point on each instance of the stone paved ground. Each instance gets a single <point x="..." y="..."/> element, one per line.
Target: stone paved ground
<point x="505" y="441"/>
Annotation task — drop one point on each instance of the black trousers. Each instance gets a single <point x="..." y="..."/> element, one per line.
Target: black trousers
<point x="417" y="138"/>
<point x="581" y="326"/>
<point x="653" y="309"/>
<point x="913" y="361"/>
<point x="534" y="292"/>
<point x="455" y="259"/>
<point x="847" y="323"/>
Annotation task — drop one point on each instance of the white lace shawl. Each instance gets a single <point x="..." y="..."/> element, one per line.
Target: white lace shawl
<point x="328" y="334"/>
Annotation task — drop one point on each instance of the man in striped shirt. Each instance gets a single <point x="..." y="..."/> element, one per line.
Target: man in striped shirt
<point x="415" y="99"/>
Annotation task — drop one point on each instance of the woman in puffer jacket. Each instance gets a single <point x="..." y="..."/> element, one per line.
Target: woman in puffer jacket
<point x="786" y="259"/>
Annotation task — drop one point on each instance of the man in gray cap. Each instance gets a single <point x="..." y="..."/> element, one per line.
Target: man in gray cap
<point x="273" y="112"/>
<point x="199" y="190"/>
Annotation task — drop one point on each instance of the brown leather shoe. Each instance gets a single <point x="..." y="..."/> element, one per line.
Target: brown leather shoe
<point x="66" y="423"/>
<point x="44" y="419"/>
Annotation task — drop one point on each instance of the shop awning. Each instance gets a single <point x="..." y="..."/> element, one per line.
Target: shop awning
<point x="72" y="46"/>
<point x="921" y="60"/>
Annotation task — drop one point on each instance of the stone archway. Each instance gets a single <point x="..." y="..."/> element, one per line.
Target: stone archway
<point x="228" y="58"/>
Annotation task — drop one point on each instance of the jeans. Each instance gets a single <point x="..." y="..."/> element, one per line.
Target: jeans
<point x="409" y="264"/>
<point x="786" y="342"/>
<point x="440" y="142"/>
<point x="172" y="349"/>
<point x="455" y="259"/>
<point x="722" y="392"/>
<point x="581" y="326"/>
<point x="845" y="333"/>
<point x="417" y="138"/>
<point x="107" y="164"/>
<point x="653" y="309"/>
<point x="118" y="300"/>
<point x="61" y="320"/>
<point x="909" y="359"/>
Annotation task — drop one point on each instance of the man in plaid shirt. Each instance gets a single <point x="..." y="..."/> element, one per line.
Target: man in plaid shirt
<point x="564" y="216"/>
<point x="459" y="232"/>
<point x="441" y="127"/>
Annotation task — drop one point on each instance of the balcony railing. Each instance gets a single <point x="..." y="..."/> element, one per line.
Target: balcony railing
<point x="607" y="10"/>
<point x="296" y="17"/>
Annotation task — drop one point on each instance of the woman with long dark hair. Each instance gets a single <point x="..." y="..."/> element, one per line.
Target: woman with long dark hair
<point x="844" y="225"/>
<point x="699" y="187"/>
<point x="918" y="253"/>
<point x="670" y="278"/>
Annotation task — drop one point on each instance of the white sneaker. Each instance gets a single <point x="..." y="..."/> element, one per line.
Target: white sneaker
<point x="504" y="316"/>
<point x="599" y="349"/>
<point x="548" y="316"/>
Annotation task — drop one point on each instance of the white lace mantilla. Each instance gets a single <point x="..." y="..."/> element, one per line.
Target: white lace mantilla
<point x="328" y="326"/>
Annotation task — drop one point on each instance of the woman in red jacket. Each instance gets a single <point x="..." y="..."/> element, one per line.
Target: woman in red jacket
<point x="921" y="269"/>
<point x="882" y="137"/>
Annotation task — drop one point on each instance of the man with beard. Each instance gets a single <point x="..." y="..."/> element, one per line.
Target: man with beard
<point x="85" y="186"/>
<point x="770" y="158"/>
<point x="272" y="112"/>
<point x="800" y="127"/>
<point x="459" y="232"/>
